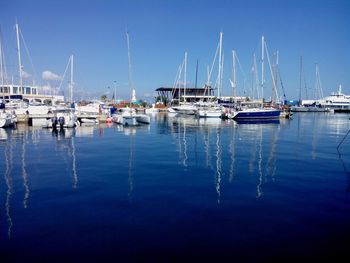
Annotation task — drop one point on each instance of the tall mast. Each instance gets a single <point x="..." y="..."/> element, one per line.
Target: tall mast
<point x="115" y="92"/>
<point x="195" y="83"/>
<point x="220" y="65"/>
<point x="1" y="61"/>
<point x="234" y="74"/>
<point x="301" y="69"/>
<point x="262" y="68"/>
<point x="276" y="71"/>
<point x="129" y="60"/>
<point x="185" y="76"/>
<point x="71" y="80"/>
<point x="19" y="58"/>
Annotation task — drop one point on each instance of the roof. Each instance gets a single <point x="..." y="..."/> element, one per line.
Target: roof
<point x="187" y="89"/>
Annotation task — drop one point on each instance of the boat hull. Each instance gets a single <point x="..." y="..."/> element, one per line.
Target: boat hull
<point x="209" y="113"/>
<point x="257" y="114"/>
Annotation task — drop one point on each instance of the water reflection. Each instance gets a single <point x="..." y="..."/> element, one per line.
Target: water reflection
<point x="9" y="184"/>
<point x="65" y="147"/>
<point x="340" y="149"/>
<point x="223" y="157"/>
<point x="15" y="144"/>
<point x="222" y="142"/>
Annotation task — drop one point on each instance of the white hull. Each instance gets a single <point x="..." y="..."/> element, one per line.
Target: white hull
<point x="142" y="118"/>
<point x="185" y="109"/>
<point x="5" y="122"/>
<point x="131" y="120"/>
<point x="7" y="119"/>
<point x="88" y="120"/>
<point x="62" y="120"/>
<point x="209" y="113"/>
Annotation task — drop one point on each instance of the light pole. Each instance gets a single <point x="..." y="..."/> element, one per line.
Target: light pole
<point x="115" y="92"/>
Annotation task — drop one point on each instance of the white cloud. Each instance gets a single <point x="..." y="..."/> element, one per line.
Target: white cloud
<point x="48" y="75"/>
<point x="25" y="75"/>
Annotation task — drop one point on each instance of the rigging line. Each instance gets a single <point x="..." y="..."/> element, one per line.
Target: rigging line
<point x="27" y="50"/>
<point x="64" y="74"/>
<point x="2" y="61"/>
<point x="212" y="65"/>
<point x="240" y="66"/>
<point x="176" y="80"/>
<point x="284" y="93"/>
<point x="343" y="139"/>
<point x="272" y="77"/>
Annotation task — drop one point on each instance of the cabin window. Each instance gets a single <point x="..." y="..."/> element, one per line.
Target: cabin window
<point x="48" y="102"/>
<point x="34" y="91"/>
<point x="15" y="90"/>
<point x="27" y="90"/>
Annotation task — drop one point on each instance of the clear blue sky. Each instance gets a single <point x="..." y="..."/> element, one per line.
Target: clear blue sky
<point x="162" y="30"/>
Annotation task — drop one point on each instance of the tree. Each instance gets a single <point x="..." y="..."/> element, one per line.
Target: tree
<point x="104" y="97"/>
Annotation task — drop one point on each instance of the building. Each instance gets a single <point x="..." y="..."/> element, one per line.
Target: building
<point x="174" y="95"/>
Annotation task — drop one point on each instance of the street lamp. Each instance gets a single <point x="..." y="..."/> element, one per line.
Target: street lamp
<point x="115" y="92"/>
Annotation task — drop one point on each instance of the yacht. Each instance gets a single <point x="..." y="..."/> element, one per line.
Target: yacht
<point x="337" y="100"/>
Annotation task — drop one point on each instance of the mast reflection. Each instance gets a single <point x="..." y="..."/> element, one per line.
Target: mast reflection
<point x="9" y="184"/>
<point x="65" y="145"/>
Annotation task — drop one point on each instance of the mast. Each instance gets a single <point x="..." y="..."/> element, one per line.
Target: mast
<point x="256" y="76"/>
<point x="195" y="83"/>
<point x="1" y="61"/>
<point x="234" y="74"/>
<point x="129" y="60"/>
<point x="220" y="65"/>
<point x="115" y="92"/>
<point x="276" y="72"/>
<point x="19" y="59"/>
<point x="262" y="69"/>
<point x="318" y="88"/>
<point x="301" y="69"/>
<point x="71" y="80"/>
<point x="185" y="76"/>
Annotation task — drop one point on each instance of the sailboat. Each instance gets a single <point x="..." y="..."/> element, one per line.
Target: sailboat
<point x="257" y="113"/>
<point x="21" y="94"/>
<point x="129" y="115"/>
<point x="213" y="109"/>
<point x="65" y="117"/>
<point x="183" y="107"/>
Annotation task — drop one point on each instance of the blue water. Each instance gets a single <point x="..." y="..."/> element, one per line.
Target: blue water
<point x="179" y="189"/>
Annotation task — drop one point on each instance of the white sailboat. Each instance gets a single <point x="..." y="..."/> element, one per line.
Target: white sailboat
<point x="22" y="91"/>
<point x="213" y="109"/>
<point x="184" y="107"/>
<point x="65" y="118"/>
<point x="129" y="116"/>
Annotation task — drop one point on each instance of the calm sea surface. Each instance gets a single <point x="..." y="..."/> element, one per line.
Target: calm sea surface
<point x="179" y="189"/>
